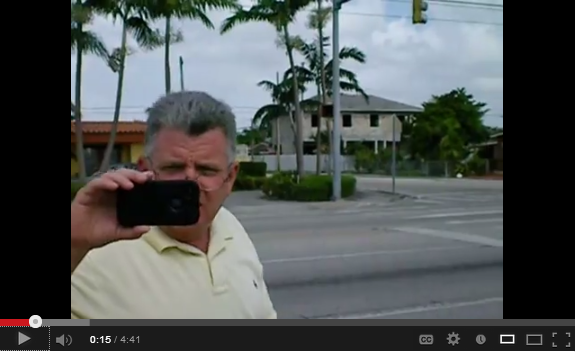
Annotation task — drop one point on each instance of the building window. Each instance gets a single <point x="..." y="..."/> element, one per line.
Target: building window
<point x="373" y="120"/>
<point x="314" y="120"/>
<point x="346" y="120"/>
<point x="94" y="155"/>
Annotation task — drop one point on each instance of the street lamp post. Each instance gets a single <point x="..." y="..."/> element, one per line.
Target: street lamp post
<point x="336" y="136"/>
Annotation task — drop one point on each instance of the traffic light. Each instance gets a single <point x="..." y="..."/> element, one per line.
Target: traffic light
<point x="419" y="9"/>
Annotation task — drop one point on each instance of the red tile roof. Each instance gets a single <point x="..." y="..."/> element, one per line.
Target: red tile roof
<point x="104" y="127"/>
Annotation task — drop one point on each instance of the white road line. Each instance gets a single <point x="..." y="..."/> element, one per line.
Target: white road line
<point x="457" y="236"/>
<point x="420" y="309"/>
<point x="429" y="201"/>
<point x="360" y="254"/>
<point x="451" y="215"/>
<point x="474" y="221"/>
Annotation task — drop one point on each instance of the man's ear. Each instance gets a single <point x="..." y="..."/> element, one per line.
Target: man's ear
<point x="234" y="169"/>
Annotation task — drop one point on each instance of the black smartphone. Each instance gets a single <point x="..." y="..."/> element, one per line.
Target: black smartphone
<point x="159" y="203"/>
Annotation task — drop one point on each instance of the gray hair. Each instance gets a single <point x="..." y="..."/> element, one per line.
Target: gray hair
<point x="194" y="113"/>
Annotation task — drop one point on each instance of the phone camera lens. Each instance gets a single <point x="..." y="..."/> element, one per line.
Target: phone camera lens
<point x="176" y="205"/>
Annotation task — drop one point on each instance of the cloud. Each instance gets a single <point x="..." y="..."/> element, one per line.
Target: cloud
<point x="459" y="47"/>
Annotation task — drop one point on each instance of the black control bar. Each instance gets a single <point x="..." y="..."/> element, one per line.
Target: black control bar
<point x="196" y="338"/>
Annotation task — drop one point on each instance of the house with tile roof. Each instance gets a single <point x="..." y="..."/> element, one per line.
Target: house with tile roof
<point x="128" y="148"/>
<point x="366" y="122"/>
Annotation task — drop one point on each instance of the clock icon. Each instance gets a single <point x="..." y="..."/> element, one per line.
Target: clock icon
<point x="561" y="339"/>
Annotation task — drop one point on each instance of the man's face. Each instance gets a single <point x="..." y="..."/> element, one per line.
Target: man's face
<point x="178" y="156"/>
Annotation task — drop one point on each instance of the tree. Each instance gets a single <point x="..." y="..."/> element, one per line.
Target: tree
<point x="319" y="73"/>
<point x="183" y="9"/>
<point x="280" y="14"/>
<point x="317" y="20"/>
<point x="448" y="124"/>
<point x="281" y="93"/>
<point x="250" y="136"/>
<point x="83" y="42"/>
<point x="135" y="17"/>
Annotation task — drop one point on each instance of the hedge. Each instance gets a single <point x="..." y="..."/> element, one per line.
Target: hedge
<point x="253" y="168"/>
<point x="311" y="188"/>
<point x="249" y="183"/>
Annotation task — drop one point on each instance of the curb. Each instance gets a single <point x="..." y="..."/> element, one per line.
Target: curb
<point x="401" y="194"/>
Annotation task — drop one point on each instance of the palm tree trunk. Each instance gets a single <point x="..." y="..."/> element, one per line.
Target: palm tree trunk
<point x="167" y="71"/>
<point x="318" y="151"/>
<point x="110" y="147"/>
<point x="324" y="83"/>
<point x="298" y="117"/>
<point x="278" y="145"/>
<point x="78" y="111"/>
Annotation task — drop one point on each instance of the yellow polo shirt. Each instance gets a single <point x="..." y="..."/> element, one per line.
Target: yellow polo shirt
<point x="156" y="277"/>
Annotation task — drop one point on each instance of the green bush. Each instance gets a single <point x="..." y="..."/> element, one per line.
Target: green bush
<point x="248" y="183"/>
<point x="74" y="188"/>
<point x="253" y="168"/>
<point x="311" y="188"/>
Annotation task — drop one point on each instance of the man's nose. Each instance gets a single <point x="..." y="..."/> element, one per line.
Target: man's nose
<point x="191" y="173"/>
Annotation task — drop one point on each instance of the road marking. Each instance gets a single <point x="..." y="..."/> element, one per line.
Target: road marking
<point x="474" y="221"/>
<point x="419" y="309"/>
<point x="429" y="201"/>
<point x="360" y="254"/>
<point x="457" y="236"/>
<point x="452" y="215"/>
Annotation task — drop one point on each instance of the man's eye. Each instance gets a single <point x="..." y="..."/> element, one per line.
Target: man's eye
<point x="208" y="172"/>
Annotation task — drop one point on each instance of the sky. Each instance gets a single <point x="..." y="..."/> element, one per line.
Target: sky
<point x="460" y="46"/>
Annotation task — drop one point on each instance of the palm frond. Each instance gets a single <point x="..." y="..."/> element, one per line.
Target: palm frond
<point x="89" y="42"/>
<point x="264" y="115"/>
<point x="146" y="37"/>
<point x="352" y="53"/>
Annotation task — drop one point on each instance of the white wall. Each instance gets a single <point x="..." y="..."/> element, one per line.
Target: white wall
<point x="288" y="162"/>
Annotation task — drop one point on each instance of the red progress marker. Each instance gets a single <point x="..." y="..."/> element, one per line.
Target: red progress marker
<point x="14" y="322"/>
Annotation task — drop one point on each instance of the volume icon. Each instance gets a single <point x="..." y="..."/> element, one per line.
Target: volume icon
<point x="64" y="340"/>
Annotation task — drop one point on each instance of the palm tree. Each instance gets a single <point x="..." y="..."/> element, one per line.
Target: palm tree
<point x="281" y="93"/>
<point x="317" y="20"/>
<point x="135" y="19"/>
<point x="280" y="14"/>
<point x="184" y="9"/>
<point x="83" y="41"/>
<point x="322" y="77"/>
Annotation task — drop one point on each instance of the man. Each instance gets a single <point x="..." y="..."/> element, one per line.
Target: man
<point x="206" y="271"/>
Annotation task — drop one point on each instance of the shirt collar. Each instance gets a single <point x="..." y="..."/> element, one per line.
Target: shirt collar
<point x="220" y="234"/>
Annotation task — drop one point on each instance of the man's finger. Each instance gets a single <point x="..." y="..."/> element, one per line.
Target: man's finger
<point x="122" y="181"/>
<point x="101" y="184"/>
<point x="133" y="175"/>
<point x="132" y="233"/>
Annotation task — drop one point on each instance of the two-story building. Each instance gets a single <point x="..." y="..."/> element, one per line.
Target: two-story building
<point x="367" y="122"/>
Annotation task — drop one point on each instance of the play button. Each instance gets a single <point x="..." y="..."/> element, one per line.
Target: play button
<point x="22" y="338"/>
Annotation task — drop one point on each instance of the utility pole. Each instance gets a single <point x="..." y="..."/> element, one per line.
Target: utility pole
<point x="393" y="154"/>
<point x="336" y="136"/>
<point x="181" y="73"/>
<point x="278" y="131"/>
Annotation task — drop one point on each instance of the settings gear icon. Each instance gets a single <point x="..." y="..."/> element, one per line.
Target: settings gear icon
<point x="453" y="339"/>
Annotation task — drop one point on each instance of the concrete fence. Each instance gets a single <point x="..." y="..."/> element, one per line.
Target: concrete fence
<point x="288" y="162"/>
<point x="410" y="168"/>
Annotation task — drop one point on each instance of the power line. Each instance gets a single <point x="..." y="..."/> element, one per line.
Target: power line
<point x="457" y="4"/>
<point x="447" y="20"/>
<point x="468" y="3"/>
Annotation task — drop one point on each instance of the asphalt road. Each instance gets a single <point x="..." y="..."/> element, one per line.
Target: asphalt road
<point x="439" y="256"/>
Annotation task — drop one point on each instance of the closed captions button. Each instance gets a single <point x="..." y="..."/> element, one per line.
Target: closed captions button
<point x="426" y="339"/>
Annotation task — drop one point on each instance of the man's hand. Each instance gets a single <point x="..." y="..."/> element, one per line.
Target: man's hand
<point x="93" y="215"/>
